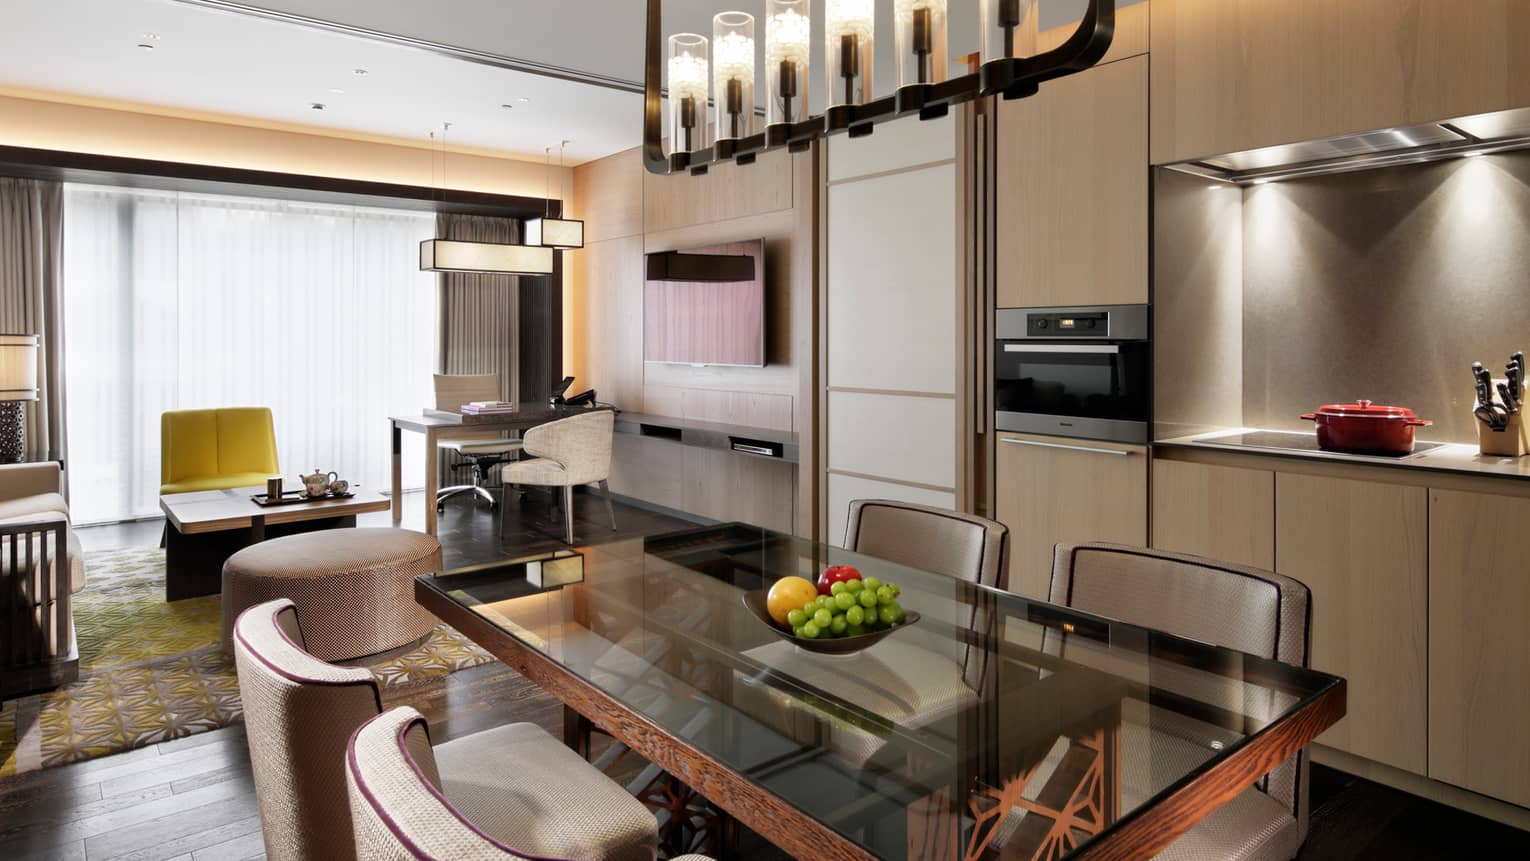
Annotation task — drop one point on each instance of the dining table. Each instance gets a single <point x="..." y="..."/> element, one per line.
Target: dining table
<point x="437" y="425"/>
<point x="993" y="726"/>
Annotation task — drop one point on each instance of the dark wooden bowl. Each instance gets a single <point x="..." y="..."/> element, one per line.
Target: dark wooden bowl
<point x="755" y="601"/>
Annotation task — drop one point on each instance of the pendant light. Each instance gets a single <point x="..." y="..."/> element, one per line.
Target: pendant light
<point x="488" y="258"/>
<point x="549" y="232"/>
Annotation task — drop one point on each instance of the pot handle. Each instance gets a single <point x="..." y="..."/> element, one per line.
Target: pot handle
<point x="1311" y="417"/>
<point x="1420" y="423"/>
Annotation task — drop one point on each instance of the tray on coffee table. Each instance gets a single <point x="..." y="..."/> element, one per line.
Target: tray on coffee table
<point x="293" y="497"/>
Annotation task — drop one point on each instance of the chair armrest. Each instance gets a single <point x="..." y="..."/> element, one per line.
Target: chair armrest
<point x="20" y="480"/>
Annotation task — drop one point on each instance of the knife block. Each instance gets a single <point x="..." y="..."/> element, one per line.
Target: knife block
<point x="1509" y="442"/>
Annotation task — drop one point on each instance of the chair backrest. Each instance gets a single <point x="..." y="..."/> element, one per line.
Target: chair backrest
<point x="454" y="390"/>
<point x="580" y="444"/>
<point x="397" y="808"/>
<point x="1234" y="606"/>
<point x="202" y="443"/>
<point x="964" y="546"/>
<point x="299" y="712"/>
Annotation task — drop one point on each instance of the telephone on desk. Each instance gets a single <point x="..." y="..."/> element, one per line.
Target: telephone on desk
<point x="583" y="399"/>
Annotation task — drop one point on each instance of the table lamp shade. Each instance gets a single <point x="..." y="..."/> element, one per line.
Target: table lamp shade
<point x="18" y="367"/>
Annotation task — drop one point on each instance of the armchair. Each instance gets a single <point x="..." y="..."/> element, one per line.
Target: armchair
<point x="41" y="566"/>
<point x="216" y="449"/>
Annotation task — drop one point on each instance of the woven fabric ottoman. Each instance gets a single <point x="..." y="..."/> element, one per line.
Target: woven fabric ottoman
<point x="354" y="588"/>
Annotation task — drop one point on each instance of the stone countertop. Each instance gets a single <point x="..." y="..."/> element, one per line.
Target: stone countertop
<point x="1452" y="458"/>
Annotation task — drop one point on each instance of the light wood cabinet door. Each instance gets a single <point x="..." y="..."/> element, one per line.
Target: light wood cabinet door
<point x="1362" y="548"/>
<point x="1232" y="75"/>
<point x="1220" y="512"/>
<point x="1072" y="200"/>
<point x="1479" y="649"/>
<point x="1050" y="490"/>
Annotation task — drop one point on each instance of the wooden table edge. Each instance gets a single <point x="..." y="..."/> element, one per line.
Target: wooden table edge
<point x="350" y="508"/>
<point x="1150" y="831"/>
<point x="782" y="824"/>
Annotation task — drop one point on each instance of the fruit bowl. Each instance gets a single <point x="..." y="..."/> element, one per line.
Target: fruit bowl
<point x="755" y="601"/>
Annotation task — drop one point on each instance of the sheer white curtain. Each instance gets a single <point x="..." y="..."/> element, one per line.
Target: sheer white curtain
<point x="183" y="301"/>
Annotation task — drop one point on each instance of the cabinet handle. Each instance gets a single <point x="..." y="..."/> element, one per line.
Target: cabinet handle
<point x="1091" y="449"/>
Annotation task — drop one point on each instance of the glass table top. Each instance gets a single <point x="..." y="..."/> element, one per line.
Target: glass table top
<point x="994" y="723"/>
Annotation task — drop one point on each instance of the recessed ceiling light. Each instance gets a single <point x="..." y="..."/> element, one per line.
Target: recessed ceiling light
<point x="508" y="107"/>
<point x="151" y="37"/>
<point x="1261" y="181"/>
<point x="523" y="100"/>
<point x="337" y="91"/>
<point x="360" y="73"/>
<point x="1473" y="154"/>
<point x="146" y="46"/>
<point x="318" y="106"/>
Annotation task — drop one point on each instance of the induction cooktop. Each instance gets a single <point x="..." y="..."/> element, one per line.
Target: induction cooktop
<point x="1294" y="441"/>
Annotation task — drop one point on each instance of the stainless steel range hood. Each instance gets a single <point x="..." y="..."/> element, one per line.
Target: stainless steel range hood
<point x="1474" y="135"/>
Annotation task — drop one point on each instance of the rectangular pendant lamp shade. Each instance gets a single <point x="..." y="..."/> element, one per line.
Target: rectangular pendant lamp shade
<point x="18" y="367"/>
<point x="495" y="258"/>
<point x="555" y="232"/>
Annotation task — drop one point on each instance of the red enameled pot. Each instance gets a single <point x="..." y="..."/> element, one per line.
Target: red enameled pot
<point x="1366" y="428"/>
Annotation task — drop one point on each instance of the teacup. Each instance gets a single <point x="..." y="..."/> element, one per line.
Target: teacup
<point x="339" y="487"/>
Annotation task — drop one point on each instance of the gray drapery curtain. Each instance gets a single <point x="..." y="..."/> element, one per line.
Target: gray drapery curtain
<point x="480" y="314"/>
<point x="31" y="298"/>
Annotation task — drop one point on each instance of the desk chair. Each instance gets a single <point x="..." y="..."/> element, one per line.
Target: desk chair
<point x="478" y="451"/>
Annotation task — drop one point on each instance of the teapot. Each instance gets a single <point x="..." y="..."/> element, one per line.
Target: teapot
<point x="318" y="483"/>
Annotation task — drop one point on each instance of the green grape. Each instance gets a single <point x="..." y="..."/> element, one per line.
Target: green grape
<point x="855" y="630"/>
<point x="836" y="588"/>
<point x="885" y="596"/>
<point x="796" y="618"/>
<point x="810" y="631"/>
<point x="888" y="614"/>
<point x="797" y="630"/>
<point x="868" y="598"/>
<point x="853" y="585"/>
<point x="895" y="590"/>
<point x="871" y="583"/>
<point x="838" y="626"/>
<point x="844" y="601"/>
<point x="856" y="616"/>
<point x="897" y="611"/>
<point x="822" y="617"/>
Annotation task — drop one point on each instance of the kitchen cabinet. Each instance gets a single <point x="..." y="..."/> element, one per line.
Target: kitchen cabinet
<point x="1072" y="200"/>
<point x="1051" y="490"/>
<point x="1232" y="75"/>
<point x="1479" y="651"/>
<point x="1220" y="512"/>
<point x="1362" y="548"/>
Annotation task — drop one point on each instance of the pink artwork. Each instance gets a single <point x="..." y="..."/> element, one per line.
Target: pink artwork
<point x="710" y="323"/>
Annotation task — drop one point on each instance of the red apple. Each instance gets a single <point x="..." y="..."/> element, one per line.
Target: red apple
<point x="836" y="574"/>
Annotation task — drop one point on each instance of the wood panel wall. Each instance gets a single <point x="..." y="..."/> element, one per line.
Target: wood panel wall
<point x="629" y="212"/>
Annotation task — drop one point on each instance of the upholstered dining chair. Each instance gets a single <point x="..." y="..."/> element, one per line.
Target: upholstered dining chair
<point x="518" y="782"/>
<point x="567" y="453"/>
<point x="964" y="546"/>
<point x="403" y="805"/>
<point x="479" y="451"/>
<point x="1234" y="606"/>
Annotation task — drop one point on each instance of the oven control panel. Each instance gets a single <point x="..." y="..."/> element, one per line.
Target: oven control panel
<point x="1083" y="325"/>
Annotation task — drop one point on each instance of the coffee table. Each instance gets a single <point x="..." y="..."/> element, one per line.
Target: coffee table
<point x="208" y="526"/>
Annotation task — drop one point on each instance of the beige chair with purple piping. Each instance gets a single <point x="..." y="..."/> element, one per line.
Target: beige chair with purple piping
<point x="519" y="783"/>
<point x="567" y="453"/>
<point x="403" y="804"/>
<point x="1234" y="606"/>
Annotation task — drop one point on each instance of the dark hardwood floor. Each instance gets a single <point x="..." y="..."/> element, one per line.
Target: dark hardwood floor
<point x="193" y="798"/>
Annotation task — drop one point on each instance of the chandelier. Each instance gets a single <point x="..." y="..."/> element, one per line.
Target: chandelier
<point x="724" y="76"/>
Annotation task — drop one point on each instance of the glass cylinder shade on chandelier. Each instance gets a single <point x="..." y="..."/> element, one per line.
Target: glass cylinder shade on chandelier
<point x="919" y="37"/>
<point x="1003" y="23"/>
<point x="849" y="36"/>
<point x="788" y="44"/>
<point x="688" y="92"/>
<point x="733" y="74"/>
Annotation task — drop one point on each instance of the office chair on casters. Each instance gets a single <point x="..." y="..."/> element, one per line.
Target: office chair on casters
<point x="480" y="452"/>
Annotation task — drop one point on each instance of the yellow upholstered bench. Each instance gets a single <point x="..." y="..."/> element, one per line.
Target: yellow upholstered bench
<point x="216" y="449"/>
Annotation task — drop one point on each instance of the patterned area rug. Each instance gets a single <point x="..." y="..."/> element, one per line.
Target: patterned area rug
<point x="151" y="670"/>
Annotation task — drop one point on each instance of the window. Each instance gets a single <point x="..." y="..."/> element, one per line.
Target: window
<point x="186" y="301"/>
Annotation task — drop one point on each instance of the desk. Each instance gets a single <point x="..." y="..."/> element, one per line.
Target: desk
<point x="919" y="747"/>
<point x="437" y="426"/>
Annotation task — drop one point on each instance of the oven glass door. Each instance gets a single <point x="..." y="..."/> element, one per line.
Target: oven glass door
<point x="1087" y="381"/>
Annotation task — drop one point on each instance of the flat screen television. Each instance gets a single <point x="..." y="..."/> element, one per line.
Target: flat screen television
<point x="706" y="322"/>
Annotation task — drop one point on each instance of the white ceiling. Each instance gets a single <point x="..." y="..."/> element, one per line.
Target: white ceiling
<point x="248" y="66"/>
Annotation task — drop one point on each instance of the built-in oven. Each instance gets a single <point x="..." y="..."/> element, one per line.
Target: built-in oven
<point x="1074" y="372"/>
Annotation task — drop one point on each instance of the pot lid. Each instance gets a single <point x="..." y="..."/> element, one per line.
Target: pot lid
<point x="1365" y="409"/>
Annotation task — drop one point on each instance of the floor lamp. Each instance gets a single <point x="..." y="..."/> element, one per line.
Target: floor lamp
<point x="18" y="382"/>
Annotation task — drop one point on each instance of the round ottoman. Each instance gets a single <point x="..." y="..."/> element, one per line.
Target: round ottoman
<point x="354" y="588"/>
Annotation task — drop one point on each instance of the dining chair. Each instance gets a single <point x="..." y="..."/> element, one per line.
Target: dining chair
<point x="519" y="783"/>
<point x="1234" y="606"/>
<point x="567" y="453"/>
<point x="478" y="451"/>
